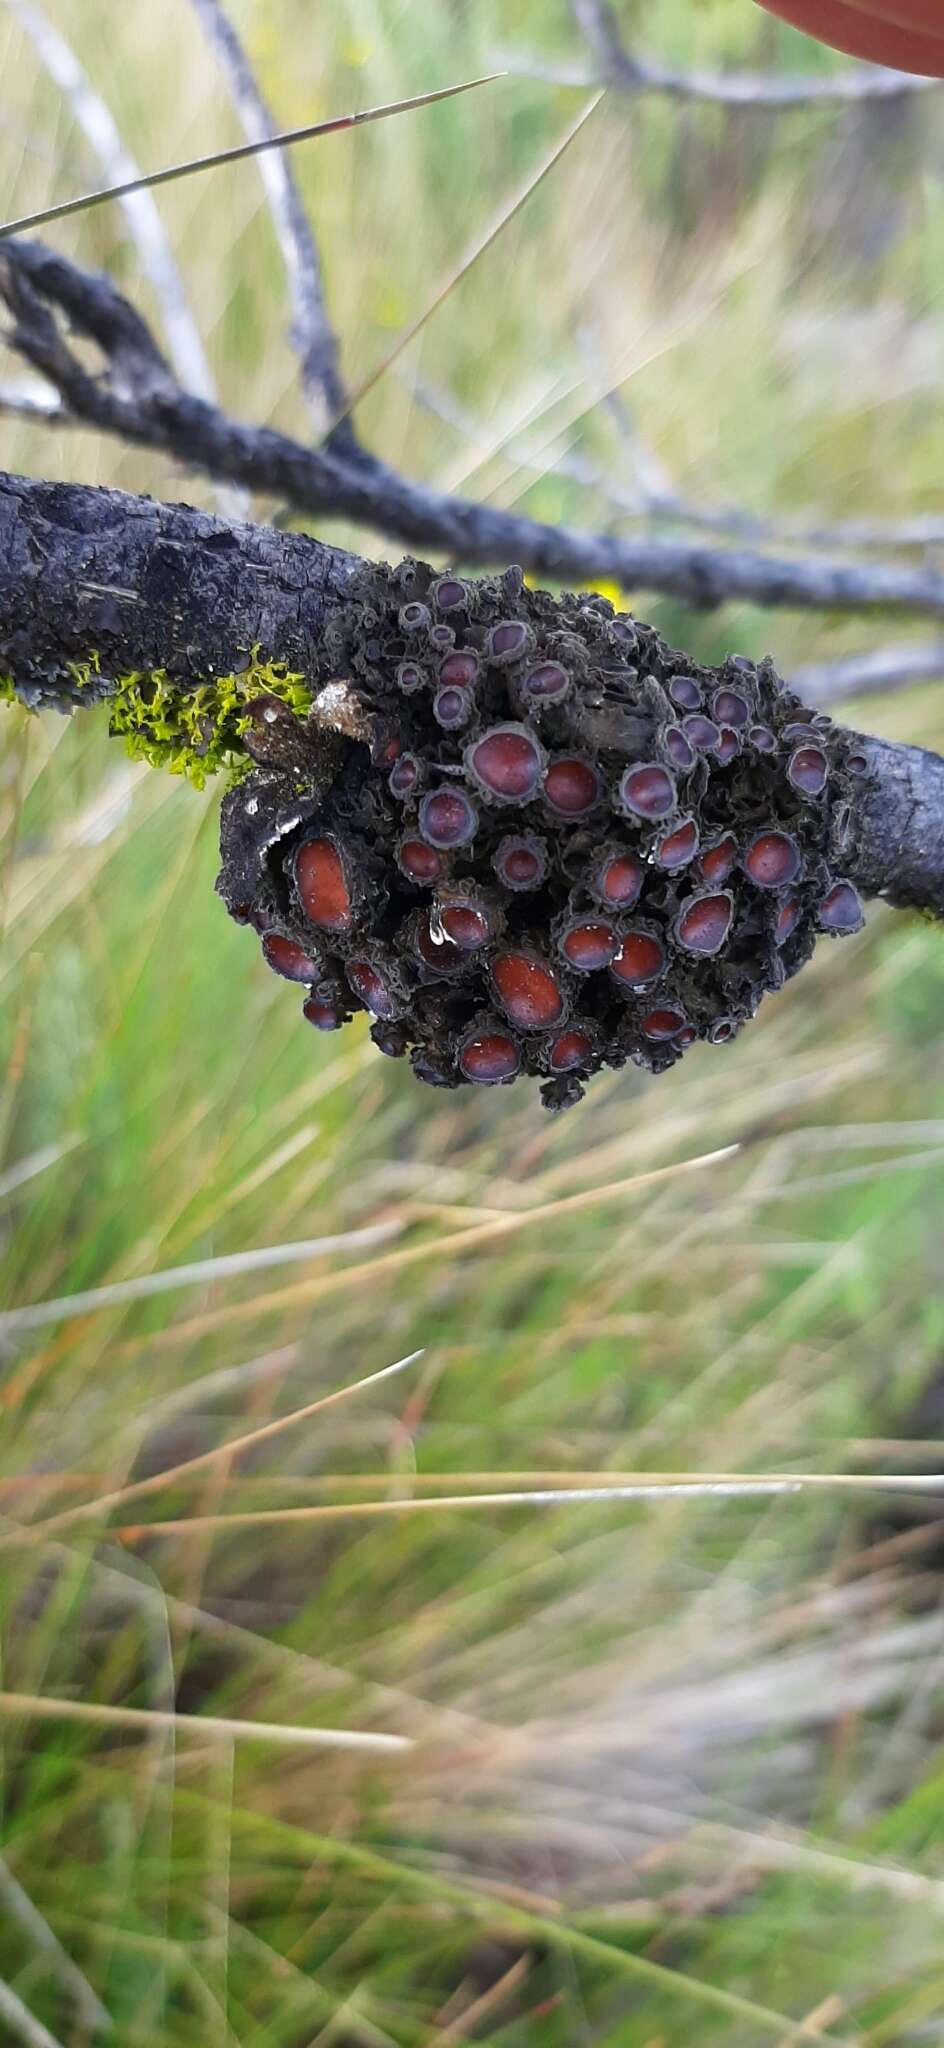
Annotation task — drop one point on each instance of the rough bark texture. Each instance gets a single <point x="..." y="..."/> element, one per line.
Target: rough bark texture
<point x="148" y="586"/>
<point x="896" y="830"/>
<point x="154" y="586"/>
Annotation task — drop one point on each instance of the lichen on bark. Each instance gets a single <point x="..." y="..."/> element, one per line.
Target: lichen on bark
<point x="413" y="689"/>
<point x="686" y="827"/>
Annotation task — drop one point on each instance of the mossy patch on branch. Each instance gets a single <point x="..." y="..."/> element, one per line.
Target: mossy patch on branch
<point x="193" y="731"/>
<point x="197" y="732"/>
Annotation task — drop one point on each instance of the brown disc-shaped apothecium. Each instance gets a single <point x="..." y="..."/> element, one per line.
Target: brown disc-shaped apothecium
<point x="558" y="846"/>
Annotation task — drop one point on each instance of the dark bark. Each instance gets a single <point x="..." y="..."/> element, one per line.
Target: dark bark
<point x="148" y="585"/>
<point x="896" y="830"/>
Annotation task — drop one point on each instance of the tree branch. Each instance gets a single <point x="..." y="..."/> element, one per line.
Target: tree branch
<point x="895" y="845"/>
<point x="139" y="400"/>
<point x="869" y="674"/>
<point x="315" y="339"/>
<point x="148" y="586"/>
<point x="353" y="687"/>
<point x="34" y="402"/>
<point x="616" y="66"/>
<point x="651" y="497"/>
<point x="312" y="333"/>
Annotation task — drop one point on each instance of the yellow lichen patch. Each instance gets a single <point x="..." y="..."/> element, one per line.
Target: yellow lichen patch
<point x="84" y="672"/>
<point x="195" y="732"/>
<point x="192" y="732"/>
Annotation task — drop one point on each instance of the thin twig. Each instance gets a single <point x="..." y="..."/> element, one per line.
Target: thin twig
<point x="35" y="402"/>
<point x="520" y="448"/>
<point x="652" y="497"/>
<point x="658" y="498"/>
<point x="144" y="224"/>
<point x="868" y="674"/>
<point x="143" y="405"/>
<point x="312" y="333"/>
<point x="769" y="94"/>
<point x="628" y="72"/>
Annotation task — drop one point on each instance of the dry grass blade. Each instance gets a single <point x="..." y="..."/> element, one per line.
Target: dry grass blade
<point x="18" y="1906"/>
<point x="222" y="1453"/>
<point x="480" y="245"/>
<point x="513" y="1485"/>
<point x="22" y="2023"/>
<point x="34" y="1163"/>
<point x="116" y="162"/>
<point x="32" y="1707"/>
<point x="779" y="1848"/>
<point x="674" y="1770"/>
<point x="810" y="2028"/>
<point x="28" y="221"/>
<point x="462" y="1240"/>
<point x="460" y="2028"/>
<point x="694" y="1486"/>
<point x="197" y="1274"/>
<point x="540" y="1925"/>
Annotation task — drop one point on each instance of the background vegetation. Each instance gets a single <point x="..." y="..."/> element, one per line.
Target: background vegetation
<point x="670" y="1768"/>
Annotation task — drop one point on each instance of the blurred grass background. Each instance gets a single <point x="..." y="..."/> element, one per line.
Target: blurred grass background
<point x="670" y="1770"/>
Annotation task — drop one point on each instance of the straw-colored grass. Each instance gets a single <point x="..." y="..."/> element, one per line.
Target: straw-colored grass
<point x="612" y="1559"/>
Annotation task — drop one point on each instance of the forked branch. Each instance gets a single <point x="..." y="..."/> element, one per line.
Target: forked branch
<point x="138" y="399"/>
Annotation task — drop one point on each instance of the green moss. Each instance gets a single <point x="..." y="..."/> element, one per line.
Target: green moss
<point x="240" y="766"/>
<point x="83" y="673"/>
<point x="196" y="732"/>
<point x="192" y="732"/>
